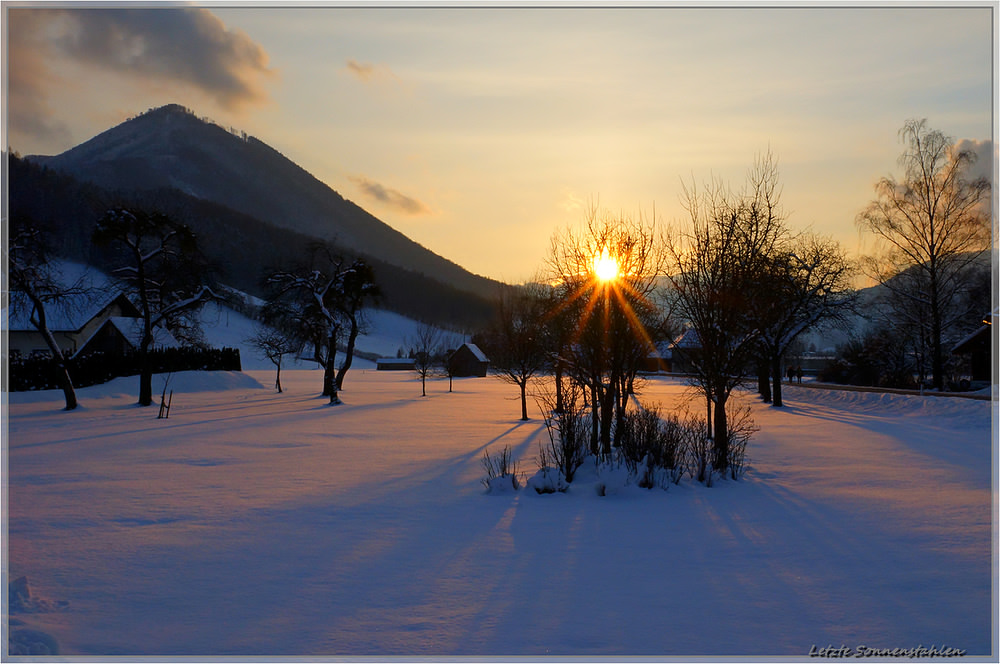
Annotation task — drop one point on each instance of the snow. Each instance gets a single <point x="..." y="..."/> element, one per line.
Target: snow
<point x="255" y="523"/>
<point x="386" y="333"/>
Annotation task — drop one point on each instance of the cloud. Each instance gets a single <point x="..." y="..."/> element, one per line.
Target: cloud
<point x="181" y="46"/>
<point x="29" y="78"/>
<point x="368" y="73"/>
<point x="381" y="194"/>
<point x="187" y="45"/>
<point x="362" y="70"/>
<point x="985" y="155"/>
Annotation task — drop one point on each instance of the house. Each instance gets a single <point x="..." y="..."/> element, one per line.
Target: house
<point x="395" y="364"/>
<point x="119" y="335"/>
<point x="71" y="322"/>
<point x="468" y="360"/>
<point x="83" y="323"/>
<point x="684" y="351"/>
<point x="977" y="347"/>
<point x="660" y="358"/>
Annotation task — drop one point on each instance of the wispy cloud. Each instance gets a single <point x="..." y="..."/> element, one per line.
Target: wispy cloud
<point x="368" y="72"/>
<point x="390" y="197"/>
<point x="180" y="46"/>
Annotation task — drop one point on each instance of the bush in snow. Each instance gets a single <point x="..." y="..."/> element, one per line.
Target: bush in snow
<point x="741" y="429"/>
<point x="653" y="448"/>
<point x="567" y="430"/>
<point x="548" y="479"/>
<point x="699" y="452"/>
<point x="501" y="471"/>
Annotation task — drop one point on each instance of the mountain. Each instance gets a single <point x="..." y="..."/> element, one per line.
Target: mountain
<point x="169" y="148"/>
<point x="239" y="247"/>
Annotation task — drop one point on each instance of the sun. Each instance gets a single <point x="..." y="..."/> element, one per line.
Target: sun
<point x="605" y="267"/>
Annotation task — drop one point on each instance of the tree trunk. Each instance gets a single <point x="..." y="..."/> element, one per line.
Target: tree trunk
<point x="524" y="399"/>
<point x="352" y="337"/>
<point x="559" y="386"/>
<point x="708" y="420"/>
<point x="607" y="417"/>
<point x="937" y="358"/>
<point x="594" y="421"/>
<point x="330" y="372"/>
<point x="145" y="378"/>
<point x="721" y="461"/>
<point x="277" y="376"/>
<point x="65" y="381"/>
<point x="764" y="381"/>
<point x="776" y="373"/>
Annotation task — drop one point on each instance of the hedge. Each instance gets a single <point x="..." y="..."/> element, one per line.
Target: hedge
<point x="36" y="373"/>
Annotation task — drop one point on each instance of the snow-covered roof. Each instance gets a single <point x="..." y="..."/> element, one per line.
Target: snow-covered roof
<point x="72" y="312"/>
<point x="687" y="339"/>
<point x="131" y="329"/>
<point x="480" y="355"/>
<point x="661" y="350"/>
<point x="68" y="315"/>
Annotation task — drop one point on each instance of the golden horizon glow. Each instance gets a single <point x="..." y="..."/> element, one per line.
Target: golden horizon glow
<point x="605" y="267"/>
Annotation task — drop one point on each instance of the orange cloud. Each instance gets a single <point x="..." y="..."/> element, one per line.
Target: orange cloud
<point x="390" y="197"/>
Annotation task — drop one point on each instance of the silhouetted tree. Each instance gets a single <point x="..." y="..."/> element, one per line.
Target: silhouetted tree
<point x="427" y="352"/>
<point x="319" y="300"/>
<point x="34" y="287"/>
<point x="516" y="343"/>
<point x="604" y="278"/>
<point x="930" y="226"/>
<point x="719" y="269"/>
<point x="804" y="283"/>
<point x="163" y="271"/>
<point x="274" y="344"/>
<point x="358" y="290"/>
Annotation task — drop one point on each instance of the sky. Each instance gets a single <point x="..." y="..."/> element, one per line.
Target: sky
<point x="482" y="131"/>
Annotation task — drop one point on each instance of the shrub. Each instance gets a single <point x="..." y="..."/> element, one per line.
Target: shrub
<point x="567" y="431"/>
<point x="741" y="429"/>
<point x="501" y="471"/>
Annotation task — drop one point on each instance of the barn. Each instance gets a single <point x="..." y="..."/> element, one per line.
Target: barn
<point x="468" y="360"/>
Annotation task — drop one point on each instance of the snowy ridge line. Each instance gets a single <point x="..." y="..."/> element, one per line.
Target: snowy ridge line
<point x="894" y="390"/>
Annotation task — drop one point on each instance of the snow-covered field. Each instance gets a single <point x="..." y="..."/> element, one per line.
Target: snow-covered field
<point x="255" y="523"/>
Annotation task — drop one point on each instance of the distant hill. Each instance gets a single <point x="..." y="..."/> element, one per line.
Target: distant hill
<point x="240" y="246"/>
<point x="227" y="184"/>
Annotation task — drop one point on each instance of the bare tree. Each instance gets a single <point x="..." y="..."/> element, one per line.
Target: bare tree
<point x="516" y="338"/>
<point x="162" y="270"/>
<point x="427" y="351"/>
<point x="719" y="267"/>
<point x="274" y="344"/>
<point x="604" y="276"/>
<point x="802" y="285"/>
<point x="35" y="287"/>
<point x="358" y="290"/>
<point x="321" y="298"/>
<point x="930" y="226"/>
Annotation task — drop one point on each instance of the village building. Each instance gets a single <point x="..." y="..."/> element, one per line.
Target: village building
<point x="84" y="323"/>
<point x="976" y="349"/>
<point x="468" y="361"/>
<point x="395" y="364"/>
